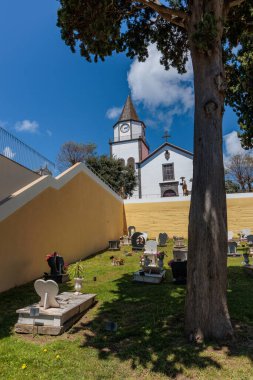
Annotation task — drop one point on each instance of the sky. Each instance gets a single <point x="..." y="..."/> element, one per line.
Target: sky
<point x="49" y="96"/>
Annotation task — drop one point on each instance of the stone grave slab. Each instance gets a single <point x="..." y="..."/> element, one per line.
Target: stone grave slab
<point x="141" y="276"/>
<point x="54" y="320"/>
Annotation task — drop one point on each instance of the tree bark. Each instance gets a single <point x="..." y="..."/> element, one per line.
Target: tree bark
<point x="206" y="312"/>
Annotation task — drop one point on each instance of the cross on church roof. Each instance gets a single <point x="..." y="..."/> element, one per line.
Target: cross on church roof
<point x="166" y="136"/>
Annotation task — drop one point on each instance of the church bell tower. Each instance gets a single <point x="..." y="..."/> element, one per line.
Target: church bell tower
<point x="129" y="136"/>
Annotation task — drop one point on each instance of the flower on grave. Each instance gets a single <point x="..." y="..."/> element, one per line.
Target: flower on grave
<point x="24" y="366"/>
<point x="49" y="256"/>
<point x="45" y="350"/>
<point x="160" y="255"/>
<point x="58" y="357"/>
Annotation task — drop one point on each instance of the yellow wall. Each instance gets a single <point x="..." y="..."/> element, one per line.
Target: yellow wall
<point x="76" y="220"/>
<point x="153" y="218"/>
<point x="240" y="214"/>
<point x="172" y="217"/>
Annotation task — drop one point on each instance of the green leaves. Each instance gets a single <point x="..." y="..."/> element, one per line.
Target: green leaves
<point x="121" y="178"/>
<point x="98" y="28"/>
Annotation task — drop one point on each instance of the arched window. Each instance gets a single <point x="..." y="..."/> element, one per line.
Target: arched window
<point x="131" y="162"/>
<point x="122" y="161"/>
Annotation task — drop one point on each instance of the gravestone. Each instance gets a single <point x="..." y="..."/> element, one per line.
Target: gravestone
<point x="179" y="272"/>
<point x="232" y="249"/>
<point x="138" y="241"/>
<point x="47" y="290"/>
<point x="151" y="246"/>
<point x="245" y="232"/>
<point x="162" y="239"/>
<point x="56" y="264"/>
<point x="179" y="242"/>
<point x="131" y="230"/>
<point x="180" y="254"/>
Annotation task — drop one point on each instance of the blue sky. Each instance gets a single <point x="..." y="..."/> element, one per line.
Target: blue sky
<point x="49" y="96"/>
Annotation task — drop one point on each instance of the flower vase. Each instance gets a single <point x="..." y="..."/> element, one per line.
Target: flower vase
<point x="78" y="285"/>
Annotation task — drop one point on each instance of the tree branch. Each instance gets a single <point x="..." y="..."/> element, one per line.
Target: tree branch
<point x="234" y="3"/>
<point x="175" y="16"/>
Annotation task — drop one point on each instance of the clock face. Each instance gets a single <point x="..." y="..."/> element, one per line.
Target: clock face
<point x="124" y="128"/>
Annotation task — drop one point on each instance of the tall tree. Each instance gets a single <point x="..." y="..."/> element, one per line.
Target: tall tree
<point x="72" y="152"/>
<point x="120" y="177"/>
<point x="240" y="168"/>
<point x="202" y="27"/>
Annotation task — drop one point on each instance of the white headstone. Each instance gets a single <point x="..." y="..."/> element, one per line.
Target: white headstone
<point x="151" y="246"/>
<point x="47" y="290"/>
<point x="245" y="232"/>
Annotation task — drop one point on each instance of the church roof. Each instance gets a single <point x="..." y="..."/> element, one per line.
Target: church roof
<point x="129" y="112"/>
<point x="165" y="144"/>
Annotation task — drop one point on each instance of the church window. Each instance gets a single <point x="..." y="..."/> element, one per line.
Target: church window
<point x="122" y="161"/>
<point x="168" y="172"/>
<point x="131" y="162"/>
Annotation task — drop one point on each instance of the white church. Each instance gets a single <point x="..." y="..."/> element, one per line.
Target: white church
<point x="165" y="172"/>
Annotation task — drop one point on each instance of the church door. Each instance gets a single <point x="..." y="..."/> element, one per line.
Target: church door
<point x="169" y="193"/>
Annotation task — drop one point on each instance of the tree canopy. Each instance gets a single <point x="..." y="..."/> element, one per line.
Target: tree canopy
<point x="120" y="177"/>
<point x="99" y="28"/>
<point x="72" y="152"/>
<point x="240" y="169"/>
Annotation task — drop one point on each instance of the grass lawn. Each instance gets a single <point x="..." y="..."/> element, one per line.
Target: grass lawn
<point x="149" y="342"/>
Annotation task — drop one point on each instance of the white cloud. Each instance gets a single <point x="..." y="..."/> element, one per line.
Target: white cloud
<point x="152" y="85"/>
<point x="27" y="126"/>
<point x="232" y="144"/>
<point x="7" y="152"/>
<point x="49" y="133"/>
<point x="113" y="113"/>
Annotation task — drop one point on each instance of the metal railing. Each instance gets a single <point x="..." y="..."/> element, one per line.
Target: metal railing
<point x="16" y="150"/>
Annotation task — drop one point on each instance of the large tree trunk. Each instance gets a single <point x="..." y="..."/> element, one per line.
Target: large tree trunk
<point x="206" y="303"/>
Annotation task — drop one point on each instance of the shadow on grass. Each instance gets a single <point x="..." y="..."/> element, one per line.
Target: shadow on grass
<point x="150" y="324"/>
<point x="150" y="327"/>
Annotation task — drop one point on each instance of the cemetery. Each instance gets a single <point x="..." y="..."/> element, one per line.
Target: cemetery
<point x="101" y="317"/>
<point x="108" y="341"/>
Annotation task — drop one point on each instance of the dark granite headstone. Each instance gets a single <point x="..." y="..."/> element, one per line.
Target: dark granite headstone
<point x="56" y="264"/>
<point x="179" y="272"/>
<point x="138" y="241"/>
<point x="131" y="230"/>
<point x="162" y="239"/>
